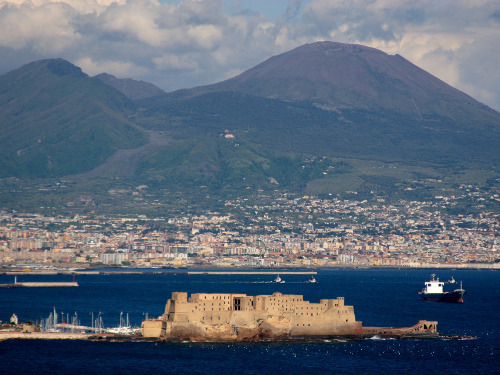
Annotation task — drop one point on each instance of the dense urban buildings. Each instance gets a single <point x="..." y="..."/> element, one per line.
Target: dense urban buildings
<point x="281" y="232"/>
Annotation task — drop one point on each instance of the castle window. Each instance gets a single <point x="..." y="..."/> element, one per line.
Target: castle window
<point x="237" y="304"/>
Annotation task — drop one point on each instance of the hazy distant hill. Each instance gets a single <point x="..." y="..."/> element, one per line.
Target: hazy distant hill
<point x="55" y="121"/>
<point x="131" y="88"/>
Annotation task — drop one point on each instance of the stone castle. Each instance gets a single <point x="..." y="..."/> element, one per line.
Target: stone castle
<point x="237" y="317"/>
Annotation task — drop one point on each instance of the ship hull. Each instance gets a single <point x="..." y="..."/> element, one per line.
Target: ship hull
<point x="452" y="297"/>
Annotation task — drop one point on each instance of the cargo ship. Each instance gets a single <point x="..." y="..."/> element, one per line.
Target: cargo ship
<point x="238" y="317"/>
<point x="434" y="291"/>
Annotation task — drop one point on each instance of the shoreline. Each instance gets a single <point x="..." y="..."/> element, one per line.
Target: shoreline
<point x="4" y="336"/>
<point x="241" y="271"/>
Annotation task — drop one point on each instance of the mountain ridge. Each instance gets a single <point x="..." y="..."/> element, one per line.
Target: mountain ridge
<point x="56" y="121"/>
<point x="319" y="118"/>
<point x="132" y="89"/>
<point x="339" y="75"/>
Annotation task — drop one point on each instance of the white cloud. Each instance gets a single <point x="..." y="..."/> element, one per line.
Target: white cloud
<point x="74" y="3"/>
<point x="195" y="42"/>
<point x="134" y="21"/>
<point x="177" y="62"/>
<point x="27" y="27"/>
<point x="82" y="6"/>
<point x="120" y="69"/>
<point x="205" y="36"/>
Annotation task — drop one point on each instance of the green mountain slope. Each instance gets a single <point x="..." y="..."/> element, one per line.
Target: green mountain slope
<point x="132" y="89"/>
<point x="55" y="121"/>
<point x="302" y="128"/>
<point x="226" y="162"/>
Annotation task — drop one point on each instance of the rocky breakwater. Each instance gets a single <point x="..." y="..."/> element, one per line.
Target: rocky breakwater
<point x="10" y="335"/>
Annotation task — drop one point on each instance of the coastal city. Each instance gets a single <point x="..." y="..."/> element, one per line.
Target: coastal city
<point x="282" y="232"/>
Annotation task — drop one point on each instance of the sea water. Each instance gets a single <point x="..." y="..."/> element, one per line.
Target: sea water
<point x="380" y="298"/>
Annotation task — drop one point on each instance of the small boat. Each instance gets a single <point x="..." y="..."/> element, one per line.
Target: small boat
<point x="433" y="291"/>
<point x="278" y="279"/>
<point x="312" y="280"/>
<point x="121" y="330"/>
<point x="124" y="328"/>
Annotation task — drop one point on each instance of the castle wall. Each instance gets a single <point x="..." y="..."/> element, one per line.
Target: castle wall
<point x="423" y="326"/>
<point x="230" y="316"/>
<point x="151" y="328"/>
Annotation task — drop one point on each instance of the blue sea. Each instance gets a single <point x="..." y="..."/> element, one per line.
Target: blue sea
<point x="379" y="297"/>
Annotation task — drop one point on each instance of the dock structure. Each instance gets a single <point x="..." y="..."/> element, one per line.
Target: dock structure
<point x="46" y="284"/>
<point x="157" y="272"/>
<point x="19" y="335"/>
<point x="40" y="284"/>
<point x="78" y="327"/>
<point x="251" y="272"/>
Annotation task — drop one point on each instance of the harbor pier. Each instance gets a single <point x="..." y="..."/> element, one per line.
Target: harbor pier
<point x="40" y="284"/>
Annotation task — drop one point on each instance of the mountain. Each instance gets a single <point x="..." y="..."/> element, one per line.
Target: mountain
<point x="339" y="101"/>
<point x="324" y="118"/>
<point x="349" y="76"/>
<point x="56" y="121"/>
<point x="132" y="89"/>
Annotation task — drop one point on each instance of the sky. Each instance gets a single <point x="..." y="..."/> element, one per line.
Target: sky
<point x="178" y="44"/>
